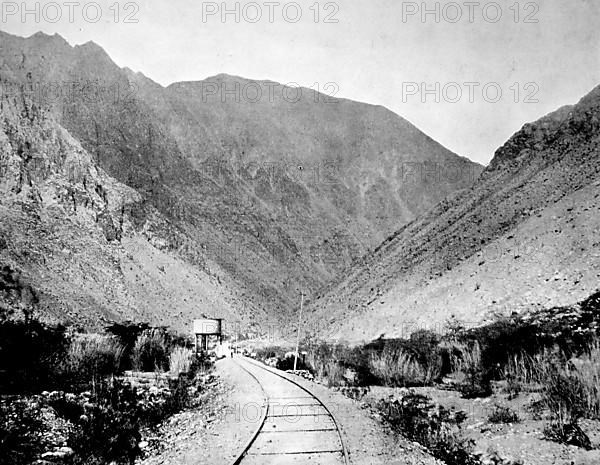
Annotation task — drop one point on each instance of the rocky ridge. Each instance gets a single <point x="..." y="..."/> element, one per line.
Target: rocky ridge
<point x="524" y="236"/>
<point x="253" y="199"/>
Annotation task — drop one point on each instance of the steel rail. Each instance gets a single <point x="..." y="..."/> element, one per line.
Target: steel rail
<point x="263" y="420"/>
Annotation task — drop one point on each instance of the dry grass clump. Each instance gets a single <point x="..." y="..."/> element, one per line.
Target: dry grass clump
<point x="465" y="357"/>
<point x="433" y="369"/>
<point x="468" y="368"/>
<point x="151" y="351"/>
<point x="503" y="414"/>
<point x="586" y="369"/>
<point x="542" y="371"/>
<point x="180" y="360"/>
<point x="334" y="373"/>
<point x="91" y="356"/>
<point x="397" y="368"/>
<point x="570" y="389"/>
<point x="326" y="365"/>
<point x="531" y="372"/>
<point x="564" y="395"/>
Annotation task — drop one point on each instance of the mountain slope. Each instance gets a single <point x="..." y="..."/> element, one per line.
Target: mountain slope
<point x="68" y="239"/>
<point x="351" y="163"/>
<point x="271" y="195"/>
<point x="525" y="234"/>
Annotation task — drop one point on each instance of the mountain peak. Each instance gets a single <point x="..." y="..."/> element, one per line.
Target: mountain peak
<point x="55" y="39"/>
<point x="219" y="78"/>
<point x="535" y="136"/>
<point x="91" y="46"/>
<point x="43" y="35"/>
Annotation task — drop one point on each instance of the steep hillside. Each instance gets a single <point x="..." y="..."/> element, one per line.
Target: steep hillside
<point x="270" y="194"/>
<point x="69" y="239"/>
<point x="339" y="161"/>
<point x="526" y="234"/>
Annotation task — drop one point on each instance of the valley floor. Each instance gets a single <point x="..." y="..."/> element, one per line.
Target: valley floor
<point x="522" y="441"/>
<point x="188" y="438"/>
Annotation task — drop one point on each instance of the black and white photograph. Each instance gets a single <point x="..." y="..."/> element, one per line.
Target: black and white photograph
<point x="349" y="232"/>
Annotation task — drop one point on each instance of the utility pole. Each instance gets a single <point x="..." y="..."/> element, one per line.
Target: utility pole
<point x="299" y="323"/>
<point x="237" y="340"/>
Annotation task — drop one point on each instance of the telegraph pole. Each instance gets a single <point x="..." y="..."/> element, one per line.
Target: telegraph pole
<point x="299" y="323"/>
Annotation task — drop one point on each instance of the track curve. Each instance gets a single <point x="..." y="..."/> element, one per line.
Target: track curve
<point x="295" y="426"/>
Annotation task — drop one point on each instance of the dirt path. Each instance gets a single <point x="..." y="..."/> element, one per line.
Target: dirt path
<point x="238" y="417"/>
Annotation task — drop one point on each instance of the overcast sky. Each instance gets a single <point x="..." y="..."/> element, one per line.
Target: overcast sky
<point x="546" y="51"/>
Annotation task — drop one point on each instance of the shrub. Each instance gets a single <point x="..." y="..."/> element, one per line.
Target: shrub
<point x="516" y="373"/>
<point x="201" y="363"/>
<point x="503" y="414"/>
<point x="334" y="373"/>
<point x="399" y="362"/>
<point x="565" y="395"/>
<point x="571" y="328"/>
<point x="180" y="360"/>
<point x="425" y="347"/>
<point x="433" y="367"/>
<point x="151" y="351"/>
<point x="108" y="424"/>
<point x="534" y="369"/>
<point x="499" y="340"/>
<point x="396" y="368"/>
<point x="264" y="353"/>
<point x="469" y="370"/>
<point x="431" y="425"/>
<point x="587" y="370"/>
<point x="93" y="356"/>
<point x="491" y="457"/>
<point x="288" y="364"/>
<point x="513" y="387"/>
<point x="31" y="354"/>
<point x="108" y="428"/>
<point x="180" y="396"/>
<point x="127" y="333"/>
<point x="328" y="362"/>
<point x="531" y="371"/>
<point x="20" y="433"/>
<point x="569" y="389"/>
<point x="569" y="433"/>
<point x="108" y="436"/>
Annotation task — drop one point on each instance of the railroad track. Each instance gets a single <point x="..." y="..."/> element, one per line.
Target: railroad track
<point x="295" y="427"/>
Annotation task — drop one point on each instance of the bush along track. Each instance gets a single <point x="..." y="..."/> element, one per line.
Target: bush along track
<point x="541" y="369"/>
<point x="436" y="428"/>
<point x="71" y="400"/>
